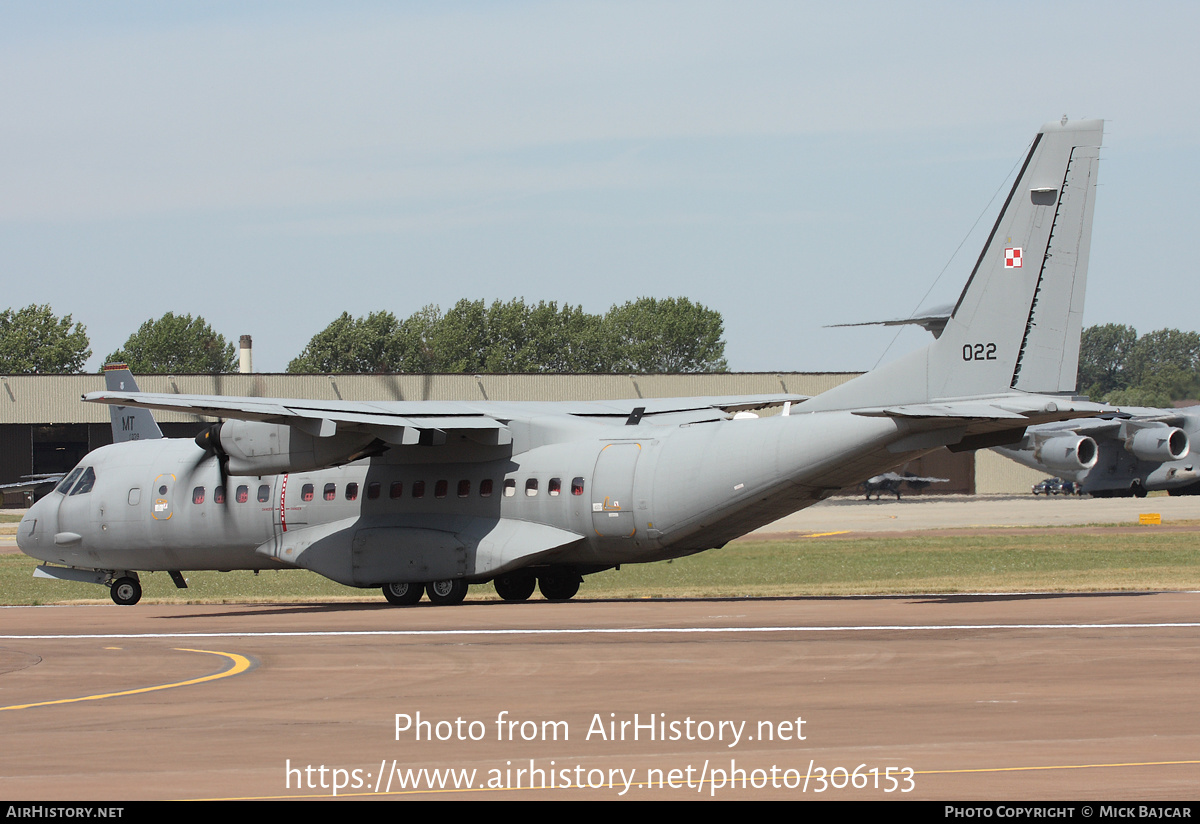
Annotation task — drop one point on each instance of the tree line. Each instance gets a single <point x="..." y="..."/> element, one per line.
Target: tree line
<point x="648" y="335"/>
<point x="1117" y="366"/>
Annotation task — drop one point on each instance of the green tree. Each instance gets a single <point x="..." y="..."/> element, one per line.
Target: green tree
<point x="1165" y="350"/>
<point x="351" y="344"/>
<point x="1118" y="367"/>
<point x="34" y="341"/>
<point x="648" y="335"/>
<point x="518" y="337"/>
<point x="669" y="335"/>
<point x="178" y="344"/>
<point x="1103" y="353"/>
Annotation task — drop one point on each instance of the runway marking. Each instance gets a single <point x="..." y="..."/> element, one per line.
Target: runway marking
<point x="435" y="633"/>
<point x="238" y="665"/>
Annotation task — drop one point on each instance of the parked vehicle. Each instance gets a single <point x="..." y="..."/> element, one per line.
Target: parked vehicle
<point x="1054" y="486"/>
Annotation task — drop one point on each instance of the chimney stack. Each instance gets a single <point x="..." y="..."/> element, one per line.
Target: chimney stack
<point x="246" y="356"/>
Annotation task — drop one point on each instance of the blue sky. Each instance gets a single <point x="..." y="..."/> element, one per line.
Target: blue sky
<point x="270" y="165"/>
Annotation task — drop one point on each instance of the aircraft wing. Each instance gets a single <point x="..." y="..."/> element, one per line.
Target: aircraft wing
<point x="326" y="417"/>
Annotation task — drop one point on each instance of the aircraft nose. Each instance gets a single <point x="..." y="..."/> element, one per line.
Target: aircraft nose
<point x="35" y="533"/>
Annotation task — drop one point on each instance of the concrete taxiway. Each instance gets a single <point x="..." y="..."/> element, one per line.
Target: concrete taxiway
<point x="1007" y="697"/>
<point x="968" y="697"/>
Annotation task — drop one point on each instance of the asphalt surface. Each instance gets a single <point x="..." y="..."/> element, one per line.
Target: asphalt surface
<point x="1011" y="697"/>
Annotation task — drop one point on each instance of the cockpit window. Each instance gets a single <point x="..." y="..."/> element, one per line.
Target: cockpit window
<point x="86" y="481"/>
<point x="69" y="481"/>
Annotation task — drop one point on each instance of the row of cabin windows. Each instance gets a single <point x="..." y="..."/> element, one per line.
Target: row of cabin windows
<point x="441" y="489"/>
<point x="241" y="494"/>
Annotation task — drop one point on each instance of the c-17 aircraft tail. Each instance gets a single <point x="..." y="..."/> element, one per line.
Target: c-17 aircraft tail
<point x="1017" y="323"/>
<point x="128" y="422"/>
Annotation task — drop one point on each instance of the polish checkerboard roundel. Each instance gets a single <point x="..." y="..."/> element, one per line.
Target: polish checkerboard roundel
<point x="1012" y="258"/>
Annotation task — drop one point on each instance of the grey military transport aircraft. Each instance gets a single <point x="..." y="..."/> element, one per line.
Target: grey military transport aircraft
<point x="1126" y="452"/>
<point x="431" y="496"/>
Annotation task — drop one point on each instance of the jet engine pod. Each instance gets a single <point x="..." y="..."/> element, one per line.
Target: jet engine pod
<point x="256" y="448"/>
<point x="1159" y="443"/>
<point x="1068" y="453"/>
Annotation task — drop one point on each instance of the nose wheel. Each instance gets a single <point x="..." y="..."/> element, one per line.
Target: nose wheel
<point x="126" y="591"/>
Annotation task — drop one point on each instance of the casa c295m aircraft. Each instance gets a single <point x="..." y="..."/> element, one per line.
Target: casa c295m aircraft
<point x="432" y="496"/>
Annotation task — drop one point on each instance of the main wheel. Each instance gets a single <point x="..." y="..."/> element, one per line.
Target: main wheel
<point x="403" y="595"/>
<point x="126" y="591"/>
<point x="558" y="586"/>
<point x="515" y="586"/>
<point x="447" y="593"/>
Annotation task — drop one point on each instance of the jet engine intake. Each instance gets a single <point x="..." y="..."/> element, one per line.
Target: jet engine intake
<point x="256" y="448"/>
<point x="1159" y="443"/>
<point x="1067" y="453"/>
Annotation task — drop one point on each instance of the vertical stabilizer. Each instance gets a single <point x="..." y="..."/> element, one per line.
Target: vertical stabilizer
<point x="1016" y="325"/>
<point x="128" y="423"/>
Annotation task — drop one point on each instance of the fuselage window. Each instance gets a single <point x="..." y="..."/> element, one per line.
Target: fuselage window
<point x="219" y="495"/>
<point x="135" y="496"/>
<point x="243" y="494"/>
<point x="577" y="486"/>
<point x="464" y="489"/>
<point x="306" y="492"/>
<point x="68" y="481"/>
<point x="330" y="491"/>
<point x="440" y="488"/>
<point x="351" y="491"/>
<point x="485" y="488"/>
<point x="531" y="488"/>
<point x="510" y="488"/>
<point x="555" y="487"/>
<point x="397" y="489"/>
<point x="418" y="489"/>
<point x="373" y="490"/>
<point x="264" y="493"/>
<point x="86" y="481"/>
<point x="198" y="495"/>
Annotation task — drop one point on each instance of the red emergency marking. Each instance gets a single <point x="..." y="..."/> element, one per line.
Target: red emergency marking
<point x="282" y="498"/>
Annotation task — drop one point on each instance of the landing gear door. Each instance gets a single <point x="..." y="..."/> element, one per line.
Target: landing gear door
<point x="612" y="490"/>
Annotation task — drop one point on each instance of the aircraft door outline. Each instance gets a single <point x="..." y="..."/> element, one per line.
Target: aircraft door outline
<point x="612" y="490"/>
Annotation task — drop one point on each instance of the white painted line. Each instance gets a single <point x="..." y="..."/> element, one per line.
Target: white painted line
<point x="441" y="633"/>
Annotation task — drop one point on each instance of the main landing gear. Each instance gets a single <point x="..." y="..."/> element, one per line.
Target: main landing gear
<point x="444" y="593"/>
<point x="555" y="585"/>
<point x="126" y="591"/>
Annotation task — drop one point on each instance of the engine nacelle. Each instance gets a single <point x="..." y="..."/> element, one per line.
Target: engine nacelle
<point x="256" y="448"/>
<point x="1159" y="443"/>
<point x="1067" y="453"/>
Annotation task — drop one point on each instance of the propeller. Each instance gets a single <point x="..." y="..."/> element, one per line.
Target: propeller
<point x="209" y="441"/>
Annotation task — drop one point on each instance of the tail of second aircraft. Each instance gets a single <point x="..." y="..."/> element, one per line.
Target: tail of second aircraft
<point x="128" y="423"/>
<point x="1016" y="325"/>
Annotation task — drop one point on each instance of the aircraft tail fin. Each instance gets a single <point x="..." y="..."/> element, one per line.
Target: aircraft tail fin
<point x="128" y="423"/>
<point x="1016" y="325"/>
